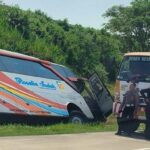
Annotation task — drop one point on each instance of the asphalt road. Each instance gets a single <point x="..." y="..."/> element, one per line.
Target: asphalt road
<point x="88" y="141"/>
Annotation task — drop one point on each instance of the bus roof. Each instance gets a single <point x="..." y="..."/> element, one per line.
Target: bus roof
<point x="21" y="56"/>
<point x="138" y="54"/>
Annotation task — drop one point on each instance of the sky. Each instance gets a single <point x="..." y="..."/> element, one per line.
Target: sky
<point x="88" y="13"/>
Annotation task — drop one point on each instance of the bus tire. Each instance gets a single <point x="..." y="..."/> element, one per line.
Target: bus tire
<point x="77" y="117"/>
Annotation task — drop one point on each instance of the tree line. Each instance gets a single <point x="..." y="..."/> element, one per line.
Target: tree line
<point x="82" y="49"/>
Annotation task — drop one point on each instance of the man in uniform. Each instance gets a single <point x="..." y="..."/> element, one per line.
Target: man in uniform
<point x="128" y="107"/>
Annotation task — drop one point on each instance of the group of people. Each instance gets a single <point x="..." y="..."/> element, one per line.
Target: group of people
<point x="129" y="106"/>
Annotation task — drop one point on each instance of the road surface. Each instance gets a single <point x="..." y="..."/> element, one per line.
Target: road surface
<point x="87" y="141"/>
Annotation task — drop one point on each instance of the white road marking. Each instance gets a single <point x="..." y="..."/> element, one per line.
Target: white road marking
<point x="143" y="149"/>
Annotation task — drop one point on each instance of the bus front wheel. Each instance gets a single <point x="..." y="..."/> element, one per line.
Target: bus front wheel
<point x="77" y="117"/>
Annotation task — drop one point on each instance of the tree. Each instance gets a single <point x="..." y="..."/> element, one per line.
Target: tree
<point x="19" y="20"/>
<point x="82" y="49"/>
<point x="132" y="24"/>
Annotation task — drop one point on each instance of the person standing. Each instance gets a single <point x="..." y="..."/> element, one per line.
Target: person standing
<point x="146" y="95"/>
<point x="128" y="106"/>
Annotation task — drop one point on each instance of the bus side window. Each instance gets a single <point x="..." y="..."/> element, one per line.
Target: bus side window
<point x="69" y="72"/>
<point x="19" y="66"/>
<point x="25" y="67"/>
<point x="41" y="71"/>
<point x="2" y="66"/>
<point x="59" y="69"/>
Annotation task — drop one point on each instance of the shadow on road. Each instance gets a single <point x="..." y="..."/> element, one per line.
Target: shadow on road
<point x="136" y="135"/>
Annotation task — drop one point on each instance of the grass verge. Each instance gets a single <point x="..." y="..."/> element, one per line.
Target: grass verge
<point x="21" y="130"/>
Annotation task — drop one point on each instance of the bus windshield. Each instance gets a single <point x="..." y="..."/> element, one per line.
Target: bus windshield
<point x="135" y="66"/>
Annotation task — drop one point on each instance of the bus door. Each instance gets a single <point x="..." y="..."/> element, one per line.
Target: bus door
<point x="102" y="95"/>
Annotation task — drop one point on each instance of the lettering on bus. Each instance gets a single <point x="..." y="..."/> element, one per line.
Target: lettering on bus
<point x="145" y="58"/>
<point x="136" y="58"/>
<point x="41" y="84"/>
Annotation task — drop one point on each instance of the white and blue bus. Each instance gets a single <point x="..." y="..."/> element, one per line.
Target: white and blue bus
<point x="32" y="90"/>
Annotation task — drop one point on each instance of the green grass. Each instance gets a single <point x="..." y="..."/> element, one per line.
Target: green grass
<point x="23" y="130"/>
<point x="18" y="130"/>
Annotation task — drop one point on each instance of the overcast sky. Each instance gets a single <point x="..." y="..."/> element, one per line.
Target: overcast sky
<point x="88" y="13"/>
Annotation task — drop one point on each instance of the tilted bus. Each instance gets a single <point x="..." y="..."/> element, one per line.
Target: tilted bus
<point x="31" y="90"/>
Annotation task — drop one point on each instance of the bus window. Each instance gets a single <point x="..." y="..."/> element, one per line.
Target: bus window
<point x="43" y="72"/>
<point x="14" y="65"/>
<point x="59" y="69"/>
<point x="25" y="67"/>
<point x="69" y="72"/>
<point x="138" y="67"/>
<point x="64" y="71"/>
<point x="124" y="70"/>
<point x="135" y="67"/>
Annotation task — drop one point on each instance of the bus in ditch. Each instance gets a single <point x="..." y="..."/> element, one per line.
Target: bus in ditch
<point x="32" y="91"/>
